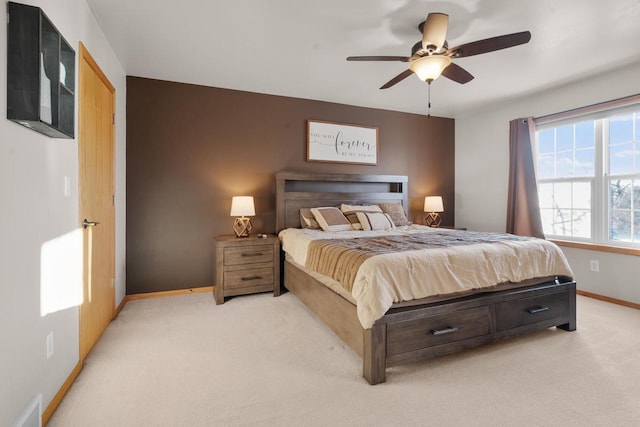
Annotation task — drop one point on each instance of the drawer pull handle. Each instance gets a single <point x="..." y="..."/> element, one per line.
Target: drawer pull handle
<point x="537" y="310"/>
<point x="444" y="331"/>
<point x="251" y="254"/>
<point x="246" y="279"/>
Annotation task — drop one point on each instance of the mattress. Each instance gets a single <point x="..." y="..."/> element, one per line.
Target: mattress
<point x="387" y="279"/>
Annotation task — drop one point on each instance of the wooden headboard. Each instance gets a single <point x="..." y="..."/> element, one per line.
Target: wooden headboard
<point x="296" y="190"/>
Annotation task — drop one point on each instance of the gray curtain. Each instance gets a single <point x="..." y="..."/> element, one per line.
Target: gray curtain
<point x="523" y="207"/>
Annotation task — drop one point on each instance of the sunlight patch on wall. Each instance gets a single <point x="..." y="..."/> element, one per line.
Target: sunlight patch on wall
<point x="61" y="273"/>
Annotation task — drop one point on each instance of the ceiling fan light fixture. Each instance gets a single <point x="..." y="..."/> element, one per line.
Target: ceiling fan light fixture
<point x="429" y="68"/>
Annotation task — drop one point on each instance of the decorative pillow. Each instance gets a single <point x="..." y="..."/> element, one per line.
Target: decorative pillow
<point x="331" y="219"/>
<point x="350" y="212"/>
<point x="396" y="212"/>
<point x="375" y="221"/>
<point x="353" y="219"/>
<point x="359" y="208"/>
<point x="307" y="220"/>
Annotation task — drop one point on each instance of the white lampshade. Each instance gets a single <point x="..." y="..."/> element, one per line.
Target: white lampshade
<point x="433" y="204"/>
<point x="429" y="68"/>
<point x="242" y="206"/>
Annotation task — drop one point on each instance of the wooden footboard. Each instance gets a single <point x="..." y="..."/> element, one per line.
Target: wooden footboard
<point x="410" y="334"/>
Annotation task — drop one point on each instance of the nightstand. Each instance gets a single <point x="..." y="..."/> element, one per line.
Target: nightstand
<point x="246" y="265"/>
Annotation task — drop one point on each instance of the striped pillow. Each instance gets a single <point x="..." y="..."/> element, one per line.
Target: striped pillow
<point x="331" y="219"/>
<point x="353" y="219"/>
<point x="350" y="211"/>
<point x="375" y="221"/>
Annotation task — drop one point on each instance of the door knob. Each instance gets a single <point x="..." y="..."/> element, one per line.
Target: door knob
<point x="86" y="223"/>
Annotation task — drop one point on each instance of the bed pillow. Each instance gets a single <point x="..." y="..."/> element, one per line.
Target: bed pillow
<point x="396" y="212"/>
<point x="350" y="211"/>
<point x="359" y="208"/>
<point x="353" y="220"/>
<point x="307" y="220"/>
<point x="375" y="221"/>
<point x="331" y="219"/>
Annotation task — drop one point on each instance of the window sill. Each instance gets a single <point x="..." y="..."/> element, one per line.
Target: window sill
<point x="595" y="247"/>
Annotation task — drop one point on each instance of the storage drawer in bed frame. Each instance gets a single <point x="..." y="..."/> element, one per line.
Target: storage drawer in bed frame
<point x="448" y="327"/>
<point x="531" y="310"/>
<point x="431" y="331"/>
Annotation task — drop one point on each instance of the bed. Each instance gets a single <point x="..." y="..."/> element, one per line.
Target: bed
<point x="415" y="329"/>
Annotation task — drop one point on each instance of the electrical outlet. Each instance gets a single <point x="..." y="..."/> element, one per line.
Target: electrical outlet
<point x="595" y="265"/>
<point x="50" y="345"/>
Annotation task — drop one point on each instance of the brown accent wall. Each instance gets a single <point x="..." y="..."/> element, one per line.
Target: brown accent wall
<point x="191" y="148"/>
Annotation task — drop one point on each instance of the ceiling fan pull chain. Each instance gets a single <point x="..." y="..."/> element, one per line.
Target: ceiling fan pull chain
<point x="429" y="100"/>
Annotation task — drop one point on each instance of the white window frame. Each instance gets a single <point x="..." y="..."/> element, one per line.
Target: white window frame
<point x="600" y="197"/>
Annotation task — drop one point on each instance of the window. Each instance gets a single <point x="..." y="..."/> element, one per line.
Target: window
<point x="588" y="172"/>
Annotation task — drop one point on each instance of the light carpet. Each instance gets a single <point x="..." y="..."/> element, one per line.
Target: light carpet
<point x="260" y="360"/>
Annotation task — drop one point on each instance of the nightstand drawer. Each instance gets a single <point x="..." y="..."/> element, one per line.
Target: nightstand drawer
<point x="249" y="254"/>
<point x="437" y="330"/>
<point x="512" y="314"/>
<point x="246" y="278"/>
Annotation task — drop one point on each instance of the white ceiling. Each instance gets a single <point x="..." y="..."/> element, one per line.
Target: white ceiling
<point x="298" y="47"/>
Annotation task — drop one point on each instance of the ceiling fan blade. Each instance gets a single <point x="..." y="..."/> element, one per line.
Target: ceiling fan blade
<point x="457" y="74"/>
<point x="434" y="31"/>
<point x="490" y="44"/>
<point x="397" y="79"/>
<point x="378" y="58"/>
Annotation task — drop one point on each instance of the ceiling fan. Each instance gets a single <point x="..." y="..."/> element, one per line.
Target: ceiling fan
<point x="431" y="57"/>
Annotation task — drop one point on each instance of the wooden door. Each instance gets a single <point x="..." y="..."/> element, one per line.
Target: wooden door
<point x="96" y="182"/>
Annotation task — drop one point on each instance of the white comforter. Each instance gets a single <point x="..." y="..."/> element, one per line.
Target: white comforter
<point x="383" y="280"/>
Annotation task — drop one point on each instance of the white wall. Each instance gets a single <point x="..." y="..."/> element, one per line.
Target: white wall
<point x="34" y="214"/>
<point x="482" y="168"/>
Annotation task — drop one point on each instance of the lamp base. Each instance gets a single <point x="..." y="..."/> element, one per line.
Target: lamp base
<point x="242" y="226"/>
<point x="432" y="219"/>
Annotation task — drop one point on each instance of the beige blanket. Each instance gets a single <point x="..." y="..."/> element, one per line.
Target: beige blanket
<point x="428" y="262"/>
<point x="341" y="259"/>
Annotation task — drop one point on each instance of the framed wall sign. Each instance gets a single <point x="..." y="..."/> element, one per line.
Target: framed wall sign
<point x="337" y="142"/>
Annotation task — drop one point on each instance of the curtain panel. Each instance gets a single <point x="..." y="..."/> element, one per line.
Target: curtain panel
<point x="523" y="207"/>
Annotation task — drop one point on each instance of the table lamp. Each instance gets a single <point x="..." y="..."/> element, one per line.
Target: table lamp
<point x="242" y="206"/>
<point x="433" y="205"/>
